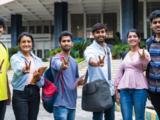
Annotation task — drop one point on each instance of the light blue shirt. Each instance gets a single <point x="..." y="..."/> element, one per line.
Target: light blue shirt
<point x="98" y="73"/>
<point x="19" y="78"/>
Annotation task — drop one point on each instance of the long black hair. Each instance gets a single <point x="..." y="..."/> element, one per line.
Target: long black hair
<point x="28" y="35"/>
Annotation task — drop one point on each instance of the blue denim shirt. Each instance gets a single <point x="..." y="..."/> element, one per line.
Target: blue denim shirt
<point x="19" y="78"/>
<point x="97" y="73"/>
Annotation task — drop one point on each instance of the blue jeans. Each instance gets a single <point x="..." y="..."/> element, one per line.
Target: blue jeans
<point x="130" y="98"/>
<point x="63" y="113"/>
<point x="2" y="109"/>
<point x="108" y="113"/>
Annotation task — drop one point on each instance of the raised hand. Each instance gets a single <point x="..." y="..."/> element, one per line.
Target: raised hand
<point x="142" y="56"/>
<point x="1" y="65"/>
<point x="26" y="69"/>
<point x="65" y="63"/>
<point x="100" y="63"/>
<point x="37" y="75"/>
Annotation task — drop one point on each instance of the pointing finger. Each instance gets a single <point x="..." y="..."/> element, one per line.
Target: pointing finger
<point x="64" y="59"/>
<point x="29" y="64"/>
<point x="103" y="57"/>
<point x="2" y="62"/>
<point x="99" y="57"/>
<point x="68" y="59"/>
<point x="26" y="63"/>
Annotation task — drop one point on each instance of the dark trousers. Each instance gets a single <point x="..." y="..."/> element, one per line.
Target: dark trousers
<point x="155" y="100"/>
<point x="2" y="109"/>
<point x="26" y="103"/>
<point x="108" y="113"/>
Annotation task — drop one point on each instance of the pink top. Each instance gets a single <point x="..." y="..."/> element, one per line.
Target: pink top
<point x="133" y="76"/>
<point x="32" y="69"/>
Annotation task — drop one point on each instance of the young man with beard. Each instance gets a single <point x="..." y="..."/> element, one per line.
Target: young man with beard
<point x="97" y="62"/>
<point x="153" y="73"/>
<point x="5" y="96"/>
<point x="65" y="104"/>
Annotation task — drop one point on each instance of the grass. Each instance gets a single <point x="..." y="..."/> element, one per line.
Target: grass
<point x="80" y="60"/>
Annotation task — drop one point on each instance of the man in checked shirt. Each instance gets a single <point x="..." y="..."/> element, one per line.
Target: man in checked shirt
<point x="153" y="73"/>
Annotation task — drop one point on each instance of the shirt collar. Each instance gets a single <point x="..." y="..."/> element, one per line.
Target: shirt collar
<point x="98" y="46"/>
<point x="154" y="38"/>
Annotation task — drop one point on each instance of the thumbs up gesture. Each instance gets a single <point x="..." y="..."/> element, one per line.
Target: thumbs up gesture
<point x="26" y="69"/>
<point x="1" y="65"/>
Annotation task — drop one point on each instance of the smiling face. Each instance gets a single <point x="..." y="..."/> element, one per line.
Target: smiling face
<point x="25" y="44"/>
<point x="133" y="39"/>
<point x="100" y="35"/>
<point x="155" y="25"/>
<point x="66" y="43"/>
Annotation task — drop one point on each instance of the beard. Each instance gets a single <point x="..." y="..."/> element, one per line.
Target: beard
<point x="66" y="49"/>
<point x="99" y="41"/>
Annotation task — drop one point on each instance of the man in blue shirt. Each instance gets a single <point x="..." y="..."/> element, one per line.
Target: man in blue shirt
<point x="153" y="75"/>
<point x="65" y="104"/>
<point x="97" y="62"/>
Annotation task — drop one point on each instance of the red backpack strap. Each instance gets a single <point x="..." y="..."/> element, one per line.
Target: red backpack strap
<point x="61" y="74"/>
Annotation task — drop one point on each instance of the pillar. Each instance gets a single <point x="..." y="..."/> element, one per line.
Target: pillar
<point x="129" y="17"/>
<point x="60" y="20"/>
<point x="16" y="28"/>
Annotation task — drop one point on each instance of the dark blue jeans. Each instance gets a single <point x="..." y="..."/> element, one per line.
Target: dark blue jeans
<point x="26" y="103"/>
<point x="130" y="98"/>
<point x="108" y="113"/>
<point x="2" y="109"/>
<point x="63" y="113"/>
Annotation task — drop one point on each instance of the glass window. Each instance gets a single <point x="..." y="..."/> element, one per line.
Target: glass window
<point x="46" y="29"/>
<point x="39" y="53"/>
<point x="52" y="29"/>
<point x="31" y="29"/>
<point x="24" y="28"/>
<point x="9" y="30"/>
<point x="110" y="19"/>
<point x="77" y="25"/>
<point x="92" y="19"/>
<point x="152" y="6"/>
<point x="39" y="29"/>
<point x="45" y="53"/>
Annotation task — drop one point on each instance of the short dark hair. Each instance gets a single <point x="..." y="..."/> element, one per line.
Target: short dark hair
<point x="28" y="35"/>
<point x="154" y="14"/>
<point x="65" y="33"/>
<point x="99" y="26"/>
<point x="2" y="22"/>
<point x="135" y="31"/>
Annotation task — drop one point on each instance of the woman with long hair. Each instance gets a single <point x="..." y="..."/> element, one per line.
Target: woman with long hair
<point x="130" y="80"/>
<point x="26" y="96"/>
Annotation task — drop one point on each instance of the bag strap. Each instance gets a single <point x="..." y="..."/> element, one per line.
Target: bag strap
<point x="150" y="42"/>
<point x="3" y="45"/>
<point x="60" y="74"/>
<point x="109" y="63"/>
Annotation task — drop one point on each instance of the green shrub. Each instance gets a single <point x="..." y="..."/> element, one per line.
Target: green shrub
<point x="44" y="59"/>
<point x="80" y="60"/>
<point x="53" y="52"/>
<point x="12" y="51"/>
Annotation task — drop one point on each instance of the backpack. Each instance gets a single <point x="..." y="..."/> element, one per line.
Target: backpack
<point x="3" y="45"/>
<point x="50" y="90"/>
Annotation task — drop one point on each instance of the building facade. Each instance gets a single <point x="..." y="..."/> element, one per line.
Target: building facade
<point x="45" y="19"/>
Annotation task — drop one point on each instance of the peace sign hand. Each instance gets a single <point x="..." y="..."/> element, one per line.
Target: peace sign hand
<point x="142" y="56"/>
<point x="65" y="63"/>
<point x="100" y="63"/>
<point x="26" y="69"/>
<point x="1" y="66"/>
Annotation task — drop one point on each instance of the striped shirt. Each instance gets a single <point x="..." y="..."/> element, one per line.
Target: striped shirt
<point x="154" y="71"/>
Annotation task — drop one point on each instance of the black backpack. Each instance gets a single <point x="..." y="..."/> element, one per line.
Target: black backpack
<point x="3" y="45"/>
